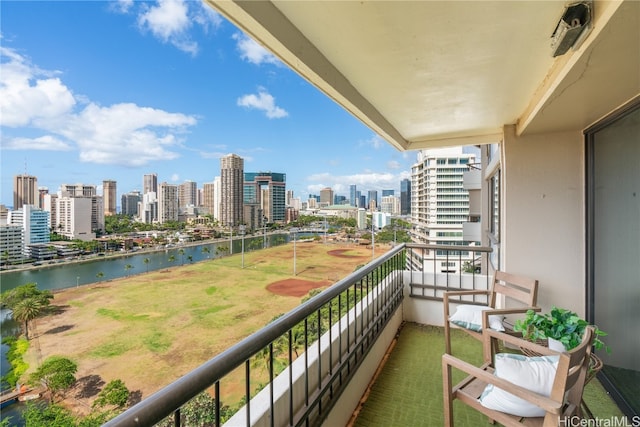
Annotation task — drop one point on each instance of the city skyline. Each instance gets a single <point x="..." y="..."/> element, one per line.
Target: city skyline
<point x="173" y="89"/>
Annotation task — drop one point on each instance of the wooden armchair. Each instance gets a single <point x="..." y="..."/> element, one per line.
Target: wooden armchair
<point x="521" y="290"/>
<point x="565" y="384"/>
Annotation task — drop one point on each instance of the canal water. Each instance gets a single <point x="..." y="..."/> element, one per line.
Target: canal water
<point x="67" y="275"/>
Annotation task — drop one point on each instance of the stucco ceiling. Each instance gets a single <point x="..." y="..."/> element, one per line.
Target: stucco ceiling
<point x="436" y="73"/>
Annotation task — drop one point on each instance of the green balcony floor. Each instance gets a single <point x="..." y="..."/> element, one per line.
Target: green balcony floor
<point x="408" y="390"/>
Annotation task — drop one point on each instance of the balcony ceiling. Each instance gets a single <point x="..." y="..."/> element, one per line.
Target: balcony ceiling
<point x="435" y="73"/>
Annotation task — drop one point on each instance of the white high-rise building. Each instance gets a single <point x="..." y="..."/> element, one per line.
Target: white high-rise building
<point x="439" y="201"/>
<point x="232" y="181"/>
<point x="74" y="217"/>
<point x="35" y="225"/>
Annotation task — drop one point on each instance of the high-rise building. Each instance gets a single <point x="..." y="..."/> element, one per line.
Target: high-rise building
<point x="439" y="201"/>
<point x="50" y="205"/>
<point x="405" y="197"/>
<point x="167" y="202"/>
<point x="268" y="190"/>
<point x="35" y="225"/>
<point x="130" y="203"/>
<point x="74" y="218"/>
<point x="373" y="200"/>
<point x="150" y="183"/>
<point x="42" y="193"/>
<point x="353" y="195"/>
<point x="326" y="197"/>
<point x="232" y="180"/>
<point x="77" y="190"/>
<point x="289" y="197"/>
<point x="187" y="194"/>
<point x="388" y="193"/>
<point x="25" y="191"/>
<point x="149" y="208"/>
<point x="390" y="205"/>
<point x="109" y="197"/>
<point x="209" y="197"/>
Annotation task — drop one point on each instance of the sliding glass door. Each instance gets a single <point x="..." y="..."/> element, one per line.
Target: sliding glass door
<point x="613" y="242"/>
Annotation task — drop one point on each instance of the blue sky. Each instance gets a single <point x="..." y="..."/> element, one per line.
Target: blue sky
<point x="114" y="90"/>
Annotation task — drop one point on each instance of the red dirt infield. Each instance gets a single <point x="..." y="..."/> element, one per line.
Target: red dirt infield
<point x="295" y="287"/>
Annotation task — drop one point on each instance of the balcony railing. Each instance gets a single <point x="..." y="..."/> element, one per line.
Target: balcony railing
<point x="310" y="353"/>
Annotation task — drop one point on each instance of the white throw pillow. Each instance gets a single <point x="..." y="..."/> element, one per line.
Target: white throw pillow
<point x="533" y="373"/>
<point x="470" y="317"/>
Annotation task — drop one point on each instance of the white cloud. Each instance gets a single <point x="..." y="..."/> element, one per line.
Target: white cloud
<point x="121" y="134"/>
<point x="126" y="134"/>
<point x="262" y="101"/>
<point x="175" y="177"/>
<point x="169" y="21"/>
<point x="29" y="95"/>
<point x="47" y="143"/>
<point x="374" y="142"/>
<point x="252" y="52"/>
<point x="121" y="6"/>
<point x="393" y="164"/>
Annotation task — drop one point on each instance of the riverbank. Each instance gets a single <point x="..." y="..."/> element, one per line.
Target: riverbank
<point x="150" y="329"/>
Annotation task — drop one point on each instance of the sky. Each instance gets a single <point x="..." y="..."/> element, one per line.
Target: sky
<point x="96" y="90"/>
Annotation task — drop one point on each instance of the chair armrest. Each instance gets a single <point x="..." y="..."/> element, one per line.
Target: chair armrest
<point x="490" y="334"/>
<point x="502" y="312"/>
<point x="546" y="403"/>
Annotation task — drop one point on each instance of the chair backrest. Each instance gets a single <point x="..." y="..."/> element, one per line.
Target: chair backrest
<point x="572" y="371"/>
<point x="513" y="287"/>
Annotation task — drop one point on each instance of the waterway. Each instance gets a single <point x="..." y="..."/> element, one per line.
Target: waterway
<point x="97" y="269"/>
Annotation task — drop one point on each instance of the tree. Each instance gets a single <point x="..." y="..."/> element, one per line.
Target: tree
<point x="27" y="310"/>
<point x="99" y="275"/>
<point x="127" y="268"/>
<point x="146" y="263"/>
<point x="26" y="302"/>
<point x="57" y="374"/>
<point x="114" y="393"/>
<point x="37" y="415"/>
<point x="181" y="252"/>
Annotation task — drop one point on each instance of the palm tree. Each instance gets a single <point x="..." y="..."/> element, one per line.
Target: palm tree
<point x="171" y="258"/>
<point x="99" y="275"/>
<point x="127" y="268"/>
<point x="27" y="310"/>
<point x="190" y="258"/>
<point x="181" y="252"/>
<point x="146" y="262"/>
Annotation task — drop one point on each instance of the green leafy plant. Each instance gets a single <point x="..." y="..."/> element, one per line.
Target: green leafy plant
<point x="560" y="324"/>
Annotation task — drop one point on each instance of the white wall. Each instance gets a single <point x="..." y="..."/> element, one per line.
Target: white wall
<point x="543" y="214"/>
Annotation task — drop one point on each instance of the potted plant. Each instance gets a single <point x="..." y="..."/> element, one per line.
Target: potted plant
<point x="561" y="325"/>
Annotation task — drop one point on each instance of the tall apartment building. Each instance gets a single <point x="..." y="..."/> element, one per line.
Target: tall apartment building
<point x="96" y="206"/>
<point x="129" y="203"/>
<point x="390" y="205"/>
<point x="268" y="190"/>
<point x="25" y="191"/>
<point x="50" y="204"/>
<point x="187" y="194"/>
<point x="42" y="193"/>
<point x="148" y="210"/>
<point x="167" y="202"/>
<point x="109" y="197"/>
<point x="74" y="218"/>
<point x="232" y="180"/>
<point x="405" y="197"/>
<point x="388" y="193"/>
<point x="77" y="190"/>
<point x="208" y="197"/>
<point x="150" y="183"/>
<point x="373" y="200"/>
<point x="353" y="195"/>
<point x="289" y="197"/>
<point x="440" y="203"/>
<point x="326" y="197"/>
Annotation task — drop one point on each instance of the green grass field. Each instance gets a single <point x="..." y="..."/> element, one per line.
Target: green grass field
<point x="150" y="329"/>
